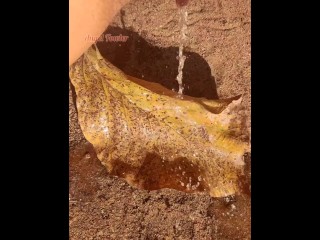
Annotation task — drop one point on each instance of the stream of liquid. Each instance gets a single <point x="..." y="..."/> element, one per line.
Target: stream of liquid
<point x="182" y="40"/>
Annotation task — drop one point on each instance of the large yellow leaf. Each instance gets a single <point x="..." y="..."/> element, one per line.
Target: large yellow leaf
<point x="146" y="134"/>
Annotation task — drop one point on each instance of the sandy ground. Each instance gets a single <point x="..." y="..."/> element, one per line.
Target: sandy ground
<point x="217" y="66"/>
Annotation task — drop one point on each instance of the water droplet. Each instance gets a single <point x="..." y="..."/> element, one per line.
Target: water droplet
<point x="183" y="27"/>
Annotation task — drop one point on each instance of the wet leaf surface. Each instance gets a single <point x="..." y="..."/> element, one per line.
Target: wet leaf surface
<point x="148" y="135"/>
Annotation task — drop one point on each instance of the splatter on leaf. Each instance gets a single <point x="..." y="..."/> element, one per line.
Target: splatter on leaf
<point x="146" y="134"/>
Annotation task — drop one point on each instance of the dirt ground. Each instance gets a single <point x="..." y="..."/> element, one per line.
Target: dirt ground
<point x="218" y="65"/>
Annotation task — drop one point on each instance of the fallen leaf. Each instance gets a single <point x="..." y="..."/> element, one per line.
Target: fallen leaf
<point x="153" y="138"/>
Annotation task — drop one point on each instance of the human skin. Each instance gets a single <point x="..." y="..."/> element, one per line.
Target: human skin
<point x="182" y="3"/>
<point x="89" y="18"/>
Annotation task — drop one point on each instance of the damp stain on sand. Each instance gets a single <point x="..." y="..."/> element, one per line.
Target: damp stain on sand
<point x="103" y="206"/>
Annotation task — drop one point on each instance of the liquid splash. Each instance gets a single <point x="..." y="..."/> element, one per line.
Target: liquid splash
<point x="142" y="133"/>
<point x="182" y="41"/>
